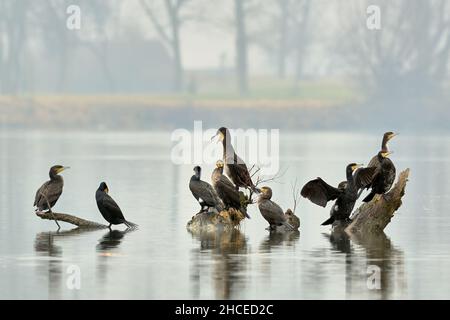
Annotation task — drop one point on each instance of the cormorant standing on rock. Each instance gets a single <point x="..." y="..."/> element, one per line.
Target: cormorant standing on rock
<point x="225" y="189"/>
<point x="204" y="193"/>
<point x="271" y="211"/>
<point x="235" y="167"/>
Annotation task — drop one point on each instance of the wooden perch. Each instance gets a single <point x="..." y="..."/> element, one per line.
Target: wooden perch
<point x="81" y="223"/>
<point x="371" y="218"/>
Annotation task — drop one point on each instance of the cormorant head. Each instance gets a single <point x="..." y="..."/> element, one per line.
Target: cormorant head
<point x="266" y="193"/>
<point x="219" y="164"/>
<point x="222" y="133"/>
<point x="103" y="187"/>
<point x="55" y="170"/>
<point x="389" y="135"/>
<point x="198" y="172"/>
<point x="354" y="166"/>
<point x="289" y="212"/>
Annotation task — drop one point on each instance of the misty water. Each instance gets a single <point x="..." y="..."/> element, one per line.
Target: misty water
<point x="162" y="260"/>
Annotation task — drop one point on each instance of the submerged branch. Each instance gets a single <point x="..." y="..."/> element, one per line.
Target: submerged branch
<point x="64" y="217"/>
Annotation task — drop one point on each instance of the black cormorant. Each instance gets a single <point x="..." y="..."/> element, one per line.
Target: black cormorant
<point x="235" y="167"/>
<point x="320" y="192"/>
<point x="271" y="211"/>
<point x="109" y="208"/>
<point x="374" y="162"/>
<point x="225" y="189"/>
<point x="204" y="192"/>
<point x="384" y="176"/>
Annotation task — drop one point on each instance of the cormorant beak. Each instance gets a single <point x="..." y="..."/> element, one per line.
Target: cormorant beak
<point x="62" y="169"/>
<point x="356" y="166"/>
<point x="218" y="134"/>
<point x="393" y="135"/>
<point x="106" y="190"/>
<point x="386" y="154"/>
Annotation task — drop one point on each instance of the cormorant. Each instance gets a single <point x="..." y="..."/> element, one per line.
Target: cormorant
<point x="204" y="192"/>
<point x="384" y="176"/>
<point x="235" y="167"/>
<point x="374" y="162"/>
<point x="50" y="191"/>
<point x="320" y="192"/>
<point x="109" y="208"/>
<point x="271" y="211"/>
<point x="225" y="189"/>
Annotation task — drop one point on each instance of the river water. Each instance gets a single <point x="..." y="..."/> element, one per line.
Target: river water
<point x="162" y="260"/>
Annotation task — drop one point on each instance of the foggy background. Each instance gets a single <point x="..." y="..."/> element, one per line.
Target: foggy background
<point x="161" y="64"/>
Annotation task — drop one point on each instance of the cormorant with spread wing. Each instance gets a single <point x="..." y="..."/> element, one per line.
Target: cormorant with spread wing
<point x="320" y="192"/>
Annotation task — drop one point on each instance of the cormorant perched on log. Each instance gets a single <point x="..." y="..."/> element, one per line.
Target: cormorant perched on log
<point x="225" y="189"/>
<point x="204" y="193"/>
<point x="235" y="167"/>
<point x="320" y="192"/>
<point x="384" y="176"/>
<point x="109" y="208"/>
<point x="50" y="191"/>
<point x="374" y="162"/>
<point x="271" y="211"/>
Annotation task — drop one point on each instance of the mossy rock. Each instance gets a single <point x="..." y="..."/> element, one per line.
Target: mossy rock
<point x="215" y="221"/>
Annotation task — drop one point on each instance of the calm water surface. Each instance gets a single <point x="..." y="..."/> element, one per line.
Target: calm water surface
<point x="163" y="260"/>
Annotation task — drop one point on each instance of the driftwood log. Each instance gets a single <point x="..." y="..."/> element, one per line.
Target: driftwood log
<point x="372" y="217"/>
<point x="64" y="217"/>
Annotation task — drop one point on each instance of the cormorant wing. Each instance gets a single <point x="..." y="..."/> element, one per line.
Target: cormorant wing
<point x="112" y="207"/>
<point x="241" y="169"/>
<point x="48" y="191"/>
<point x="271" y="211"/>
<point x="228" y="188"/>
<point x="205" y="191"/>
<point x="374" y="162"/>
<point x="320" y="192"/>
<point x="364" y="177"/>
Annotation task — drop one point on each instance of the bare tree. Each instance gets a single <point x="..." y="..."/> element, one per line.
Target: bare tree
<point x="169" y="34"/>
<point x="241" y="46"/>
<point x="408" y="57"/>
<point x="13" y="17"/>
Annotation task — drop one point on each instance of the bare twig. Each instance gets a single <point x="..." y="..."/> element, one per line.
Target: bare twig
<point x="295" y="194"/>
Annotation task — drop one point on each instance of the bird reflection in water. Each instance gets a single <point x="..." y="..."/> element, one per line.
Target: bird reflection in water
<point x="278" y="239"/>
<point x="112" y="239"/>
<point x="53" y="268"/>
<point x="362" y="254"/>
<point x="228" y="250"/>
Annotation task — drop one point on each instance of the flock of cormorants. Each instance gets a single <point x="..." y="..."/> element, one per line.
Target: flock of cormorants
<point x="378" y="176"/>
<point x="231" y="173"/>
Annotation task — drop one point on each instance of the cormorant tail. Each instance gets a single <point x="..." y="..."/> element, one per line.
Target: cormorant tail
<point x="130" y="224"/>
<point x="329" y="221"/>
<point x="369" y="197"/>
